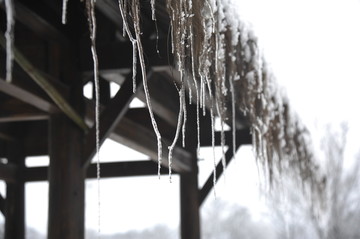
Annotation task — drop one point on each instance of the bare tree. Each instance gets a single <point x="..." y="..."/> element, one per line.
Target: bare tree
<point x="339" y="217"/>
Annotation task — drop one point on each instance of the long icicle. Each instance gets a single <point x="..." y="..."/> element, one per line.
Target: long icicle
<point x="9" y="35"/>
<point x="195" y="82"/>
<point x="178" y="128"/>
<point x="146" y="89"/>
<point x="64" y="12"/>
<point x="134" y="42"/>
<point x="233" y="116"/>
<point x="184" y="123"/>
<point x="212" y="131"/>
<point x="92" y="27"/>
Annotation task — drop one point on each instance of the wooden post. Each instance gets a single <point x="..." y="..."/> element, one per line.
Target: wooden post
<point x="66" y="174"/>
<point x="66" y="180"/>
<point x="15" y="197"/>
<point x="189" y="193"/>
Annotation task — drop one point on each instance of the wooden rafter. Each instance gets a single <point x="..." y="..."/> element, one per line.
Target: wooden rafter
<point x="27" y="96"/>
<point x="46" y="86"/>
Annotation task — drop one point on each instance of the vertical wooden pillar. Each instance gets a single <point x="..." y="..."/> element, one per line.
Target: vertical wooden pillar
<point x="66" y="217"/>
<point x="189" y="193"/>
<point x="15" y="198"/>
<point x="66" y="180"/>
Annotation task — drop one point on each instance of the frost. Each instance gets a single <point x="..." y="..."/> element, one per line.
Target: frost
<point x="9" y="35"/>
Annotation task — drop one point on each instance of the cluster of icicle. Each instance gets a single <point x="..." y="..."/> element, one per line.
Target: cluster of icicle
<point x="219" y="57"/>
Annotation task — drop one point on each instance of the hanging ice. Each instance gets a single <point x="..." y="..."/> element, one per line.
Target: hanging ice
<point x="9" y="35"/>
<point x="90" y="6"/>
<point x="64" y="11"/>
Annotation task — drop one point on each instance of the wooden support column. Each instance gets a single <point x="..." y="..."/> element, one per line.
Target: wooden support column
<point x="66" y="180"/>
<point x="66" y="175"/>
<point x="189" y="193"/>
<point x="15" y="197"/>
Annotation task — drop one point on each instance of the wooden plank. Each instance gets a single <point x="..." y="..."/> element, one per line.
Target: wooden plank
<point x="108" y="170"/>
<point x="27" y="97"/>
<point x="110" y="117"/>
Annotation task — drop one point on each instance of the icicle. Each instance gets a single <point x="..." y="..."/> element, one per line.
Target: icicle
<point x="146" y="89"/>
<point x="195" y="82"/>
<point x="213" y="145"/>
<point x="134" y="42"/>
<point x="204" y="99"/>
<point x="184" y="124"/>
<point x="222" y="138"/>
<point x="9" y="35"/>
<point x="123" y="15"/>
<point x="134" y="64"/>
<point x="212" y="131"/>
<point x="64" y="12"/>
<point x="153" y="16"/>
<point x="190" y="92"/>
<point x="178" y="127"/>
<point x="90" y="5"/>
<point x="233" y="121"/>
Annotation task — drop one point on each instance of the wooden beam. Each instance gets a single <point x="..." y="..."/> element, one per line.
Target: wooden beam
<point x="138" y="134"/>
<point x="8" y="172"/>
<point x="126" y="169"/>
<point x="242" y="137"/>
<point x="108" y="170"/>
<point x="27" y="97"/>
<point x="141" y="138"/>
<point x="110" y="117"/>
<point x="15" y="110"/>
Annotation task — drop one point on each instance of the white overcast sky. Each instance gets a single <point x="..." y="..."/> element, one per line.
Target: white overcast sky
<point x="313" y="47"/>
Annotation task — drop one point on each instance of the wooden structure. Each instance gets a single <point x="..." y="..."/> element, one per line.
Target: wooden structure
<point x="57" y="58"/>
